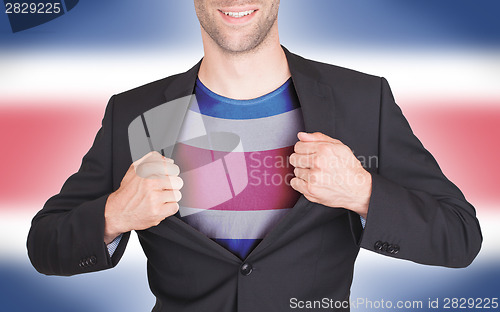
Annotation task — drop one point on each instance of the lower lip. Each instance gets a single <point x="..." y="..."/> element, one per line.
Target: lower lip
<point x="237" y="20"/>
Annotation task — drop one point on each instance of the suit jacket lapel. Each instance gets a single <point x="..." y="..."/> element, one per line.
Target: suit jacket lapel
<point x="158" y="127"/>
<point x="316" y="99"/>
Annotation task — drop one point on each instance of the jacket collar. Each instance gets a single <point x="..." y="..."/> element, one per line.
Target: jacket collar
<point x="182" y="85"/>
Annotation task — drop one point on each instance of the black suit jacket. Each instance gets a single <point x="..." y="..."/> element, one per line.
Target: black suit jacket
<point x="415" y="212"/>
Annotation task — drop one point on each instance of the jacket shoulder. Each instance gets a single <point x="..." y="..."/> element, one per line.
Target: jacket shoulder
<point x="130" y="104"/>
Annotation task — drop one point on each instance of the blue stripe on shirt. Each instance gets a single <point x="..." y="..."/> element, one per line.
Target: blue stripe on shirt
<point x="279" y="101"/>
<point x="240" y="247"/>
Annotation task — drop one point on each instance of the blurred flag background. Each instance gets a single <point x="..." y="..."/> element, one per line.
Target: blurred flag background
<point x="442" y="59"/>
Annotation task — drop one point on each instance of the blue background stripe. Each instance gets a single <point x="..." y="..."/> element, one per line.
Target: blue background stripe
<point x="173" y="24"/>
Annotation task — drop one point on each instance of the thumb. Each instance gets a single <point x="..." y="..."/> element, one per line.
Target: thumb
<point x="316" y="137"/>
<point x="148" y="156"/>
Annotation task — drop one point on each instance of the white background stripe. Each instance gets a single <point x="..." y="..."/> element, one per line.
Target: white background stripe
<point x="442" y="74"/>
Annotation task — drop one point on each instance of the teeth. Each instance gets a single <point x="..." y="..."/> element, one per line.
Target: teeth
<point x="239" y="14"/>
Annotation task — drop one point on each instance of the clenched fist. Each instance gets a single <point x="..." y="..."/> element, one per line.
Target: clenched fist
<point x="327" y="172"/>
<point x="148" y="193"/>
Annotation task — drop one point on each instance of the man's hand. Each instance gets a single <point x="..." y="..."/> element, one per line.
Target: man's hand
<point x="327" y="172"/>
<point x="148" y="193"/>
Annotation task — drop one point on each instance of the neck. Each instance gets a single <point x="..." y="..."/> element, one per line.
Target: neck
<point x="244" y="75"/>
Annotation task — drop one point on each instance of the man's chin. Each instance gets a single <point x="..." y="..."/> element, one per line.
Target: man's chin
<point x="241" y="46"/>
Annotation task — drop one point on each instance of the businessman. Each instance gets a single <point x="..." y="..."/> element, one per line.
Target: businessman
<point x="219" y="232"/>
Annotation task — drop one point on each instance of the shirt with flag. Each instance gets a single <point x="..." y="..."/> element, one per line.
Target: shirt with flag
<point x="233" y="156"/>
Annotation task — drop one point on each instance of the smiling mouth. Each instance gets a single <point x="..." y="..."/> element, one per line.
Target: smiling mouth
<point x="238" y="14"/>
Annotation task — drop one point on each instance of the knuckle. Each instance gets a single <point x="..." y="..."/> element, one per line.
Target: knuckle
<point x="317" y="161"/>
<point x="325" y="149"/>
<point x="311" y="190"/>
<point x="157" y="198"/>
<point x="345" y="150"/>
<point x="143" y="166"/>
<point x="302" y="162"/>
<point x="292" y="159"/>
<point x="169" y="183"/>
<point x="157" y="221"/>
<point x="172" y="208"/>
<point x="173" y="169"/>
<point x="177" y="182"/>
<point x="313" y="177"/>
<point x="311" y="198"/>
<point x="177" y="195"/>
<point x="315" y="172"/>
<point x="144" y="170"/>
<point x="148" y="184"/>
<point x="155" y="210"/>
<point x="297" y="147"/>
<point x="168" y="160"/>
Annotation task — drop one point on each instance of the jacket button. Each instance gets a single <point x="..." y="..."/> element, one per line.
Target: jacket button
<point x="390" y="249"/>
<point x="83" y="263"/>
<point x="378" y="245"/>
<point x="93" y="260"/>
<point x="246" y="269"/>
<point x="396" y="249"/>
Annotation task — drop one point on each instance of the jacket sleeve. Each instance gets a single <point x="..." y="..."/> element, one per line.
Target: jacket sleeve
<point x="67" y="235"/>
<point x="415" y="212"/>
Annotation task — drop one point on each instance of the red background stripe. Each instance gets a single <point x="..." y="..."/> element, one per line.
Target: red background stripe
<point x="43" y="145"/>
